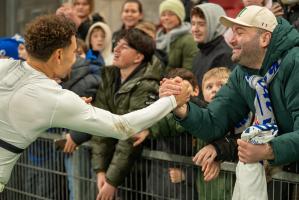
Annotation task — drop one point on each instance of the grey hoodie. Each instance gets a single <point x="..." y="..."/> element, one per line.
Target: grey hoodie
<point x="212" y="13"/>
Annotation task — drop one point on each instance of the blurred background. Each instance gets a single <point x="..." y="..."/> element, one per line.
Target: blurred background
<point x="14" y="14"/>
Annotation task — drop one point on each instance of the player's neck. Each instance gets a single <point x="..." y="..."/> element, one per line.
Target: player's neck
<point x="40" y="66"/>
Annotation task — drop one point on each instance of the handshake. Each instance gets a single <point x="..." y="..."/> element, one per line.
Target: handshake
<point x="182" y="91"/>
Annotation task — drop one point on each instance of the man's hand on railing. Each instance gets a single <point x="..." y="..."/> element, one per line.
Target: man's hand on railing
<point x="205" y="155"/>
<point x="101" y="179"/>
<point x="211" y="170"/>
<point x="107" y="192"/>
<point x="206" y="159"/>
<point x="176" y="175"/>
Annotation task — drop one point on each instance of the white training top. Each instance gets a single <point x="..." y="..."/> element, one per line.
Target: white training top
<point x="31" y="103"/>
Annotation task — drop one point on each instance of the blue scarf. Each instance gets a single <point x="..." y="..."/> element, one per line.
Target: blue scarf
<point x="265" y="128"/>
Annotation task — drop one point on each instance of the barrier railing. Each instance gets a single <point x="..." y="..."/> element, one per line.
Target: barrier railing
<point x="42" y="173"/>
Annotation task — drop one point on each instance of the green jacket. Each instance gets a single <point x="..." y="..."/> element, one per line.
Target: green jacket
<point x="235" y="99"/>
<point x="116" y="157"/>
<point x="182" y="51"/>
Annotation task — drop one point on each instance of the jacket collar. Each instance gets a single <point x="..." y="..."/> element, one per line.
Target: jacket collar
<point x="284" y="38"/>
<point x="206" y="48"/>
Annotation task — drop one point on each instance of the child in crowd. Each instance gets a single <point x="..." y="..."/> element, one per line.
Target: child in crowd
<point x="81" y="48"/>
<point x="173" y="180"/>
<point x="9" y="48"/>
<point x="209" y="156"/>
<point x="98" y="40"/>
<point x="208" y="33"/>
<point x="21" y="48"/>
<point x="174" y="36"/>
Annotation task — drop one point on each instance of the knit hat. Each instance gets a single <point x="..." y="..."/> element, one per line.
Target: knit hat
<point x="252" y="16"/>
<point x="9" y="48"/>
<point x="175" y="6"/>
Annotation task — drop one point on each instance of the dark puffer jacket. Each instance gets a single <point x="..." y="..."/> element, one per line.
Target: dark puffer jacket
<point x="84" y="80"/>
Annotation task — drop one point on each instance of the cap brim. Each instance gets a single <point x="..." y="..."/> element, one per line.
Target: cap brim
<point x="229" y="22"/>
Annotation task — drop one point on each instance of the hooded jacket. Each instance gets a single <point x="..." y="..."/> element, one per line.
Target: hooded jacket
<point x="179" y="45"/>
<point x="214" y="51"/>
<point x="106" y="52"/>
<point x="235" y="99"/>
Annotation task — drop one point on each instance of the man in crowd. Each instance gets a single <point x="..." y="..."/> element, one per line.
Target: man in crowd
<point x="267" y="52"/>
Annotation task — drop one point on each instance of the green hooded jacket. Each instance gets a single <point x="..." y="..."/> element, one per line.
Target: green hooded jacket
<point x="235" y="99"/>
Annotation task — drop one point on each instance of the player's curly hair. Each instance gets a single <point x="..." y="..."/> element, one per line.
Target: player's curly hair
<point x="47" y="33"/>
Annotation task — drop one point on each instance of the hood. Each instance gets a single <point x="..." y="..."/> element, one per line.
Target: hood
<point x="106" y="52"/>
<point x="163" y="40"/>
<point x="212" y="13"/>
<point x="284" y="38"/>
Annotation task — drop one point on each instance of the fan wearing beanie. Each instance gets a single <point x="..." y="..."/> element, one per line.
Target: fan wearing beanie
<point x="9" y="48"/>
<point x="174" y="36"/>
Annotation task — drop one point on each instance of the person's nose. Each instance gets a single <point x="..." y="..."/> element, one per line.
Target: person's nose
<point x="214" y="89"/>
<point x="116" y="48"/>
<point x="130" y="14"/>
<point x="233" y="39"/>
<point x="166" y="17"/>
<point x="194" y="28"/>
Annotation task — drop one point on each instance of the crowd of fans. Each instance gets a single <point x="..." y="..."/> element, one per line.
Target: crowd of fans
<point x="121" y="72"/>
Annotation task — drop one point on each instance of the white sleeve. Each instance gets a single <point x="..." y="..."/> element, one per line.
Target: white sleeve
<point x="73" y="113"/>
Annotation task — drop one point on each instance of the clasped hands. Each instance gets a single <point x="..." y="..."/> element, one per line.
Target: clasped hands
<point x="181" y="89"/>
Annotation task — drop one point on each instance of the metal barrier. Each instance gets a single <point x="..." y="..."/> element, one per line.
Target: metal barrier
<point x="41" y="174"/>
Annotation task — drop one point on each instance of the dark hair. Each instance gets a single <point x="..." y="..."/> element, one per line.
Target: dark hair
<point x="197" y="12"/>
<point x="217" y="72"/>
<point x="89" y="2"/>
<point x="47" y="33"/>
<point x="140" y="41"/>
<point x="82" y="44"/>
<point x="185" y="74"/>
<point x="147" y="27"/>
<point x="140" y="9"/>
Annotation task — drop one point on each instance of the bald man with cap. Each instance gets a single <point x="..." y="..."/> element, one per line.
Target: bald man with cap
<point x="265" y="83"/>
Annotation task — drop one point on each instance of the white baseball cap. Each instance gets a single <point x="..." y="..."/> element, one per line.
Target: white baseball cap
<point x="252" y="16"/>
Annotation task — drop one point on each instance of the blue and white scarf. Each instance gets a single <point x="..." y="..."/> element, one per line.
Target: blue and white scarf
<point x="265" y="128"/>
